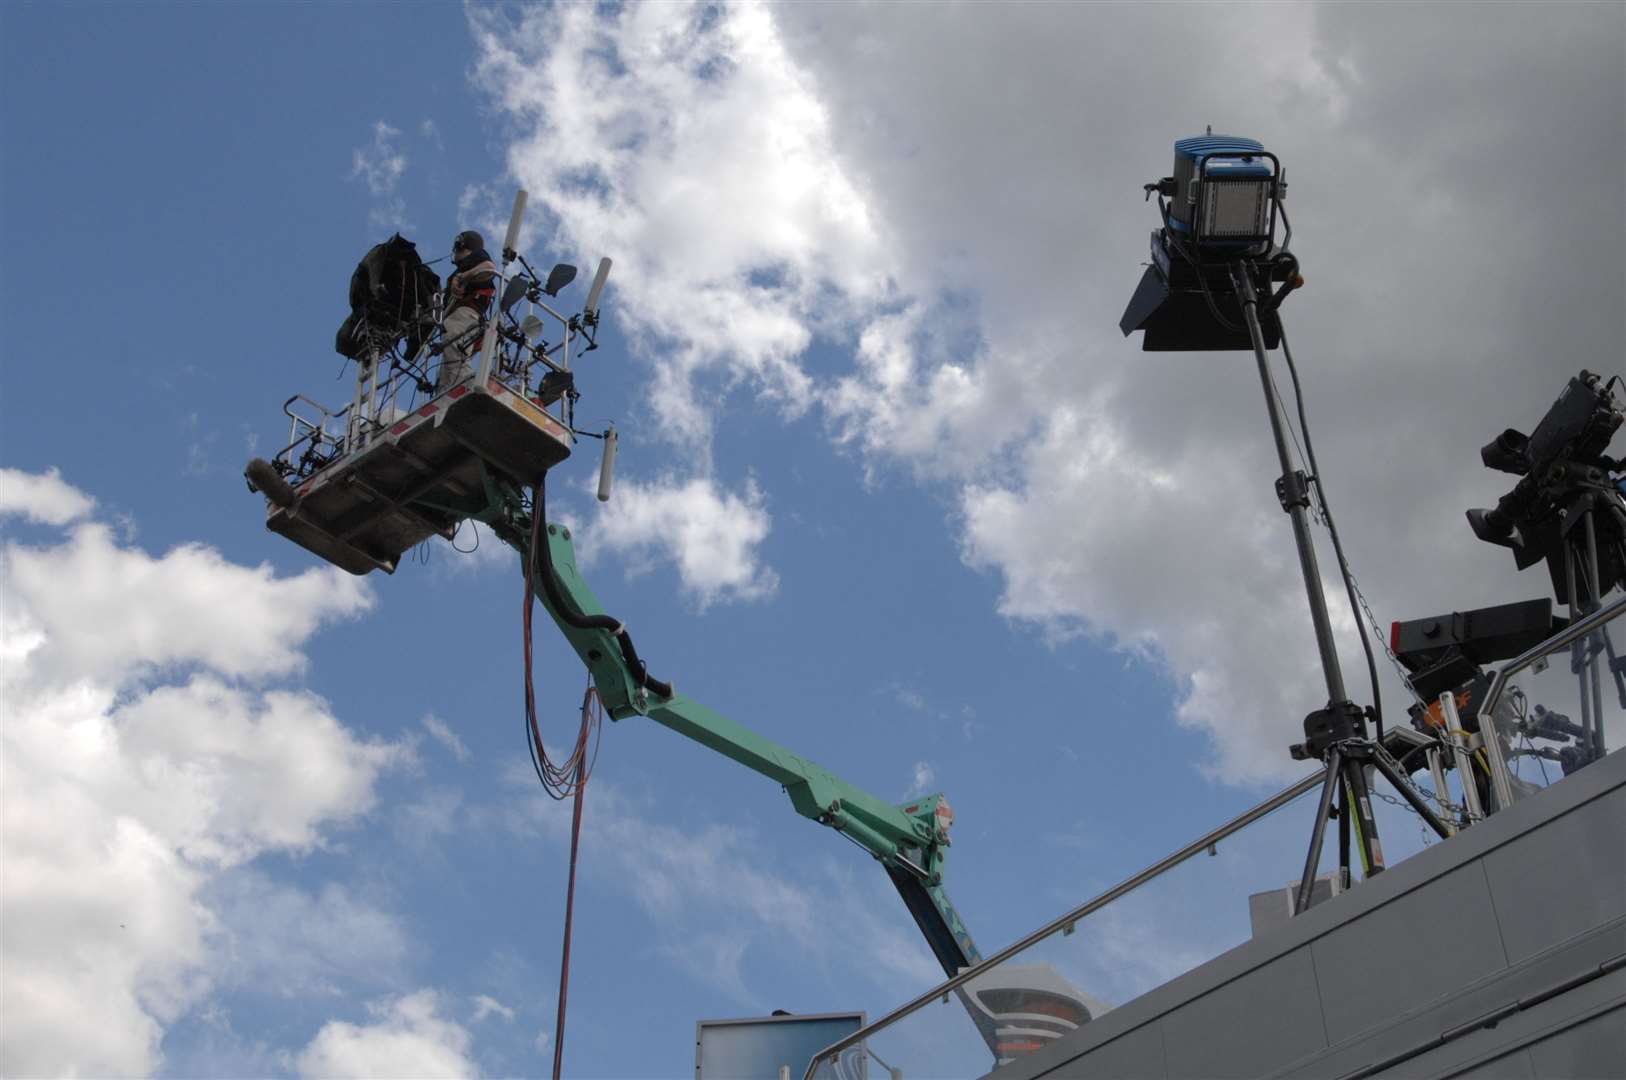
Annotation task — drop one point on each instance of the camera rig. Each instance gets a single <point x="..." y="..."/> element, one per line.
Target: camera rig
<point x="1566" y="508"/>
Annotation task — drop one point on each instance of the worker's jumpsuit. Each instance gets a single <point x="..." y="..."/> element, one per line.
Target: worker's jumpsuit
<point x="468" y="294"/>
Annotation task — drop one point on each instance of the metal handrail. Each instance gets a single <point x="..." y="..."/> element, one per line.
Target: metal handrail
<point x="1169" y="862"/>
<point x="1500" y="773"/>
<point x="1572" y="633"/>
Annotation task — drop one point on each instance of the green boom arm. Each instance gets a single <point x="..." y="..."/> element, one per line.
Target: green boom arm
<point x="908" y="840"/>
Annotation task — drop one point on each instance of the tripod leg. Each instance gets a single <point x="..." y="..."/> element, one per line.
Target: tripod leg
<point x="1593" y="600"/>
<point x="1335" y="759"/>
<point x="1413" y="796"/>
<point x="1343" y="835"/>
<point x="1617" y="671"/>
<point x="1366" y="826"/>
<point x="1578" y="650"/>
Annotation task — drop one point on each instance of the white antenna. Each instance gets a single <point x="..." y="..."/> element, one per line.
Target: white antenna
<point x="513" y="222"/>
<point x="488" y="345"/>
<point x="606" y="466"/>
<point x="598" y="284"/>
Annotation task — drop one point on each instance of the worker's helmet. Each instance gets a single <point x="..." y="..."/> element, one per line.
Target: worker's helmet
<point x="469" y="240"/>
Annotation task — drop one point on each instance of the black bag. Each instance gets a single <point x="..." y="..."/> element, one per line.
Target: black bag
<point x="391" y="293"/>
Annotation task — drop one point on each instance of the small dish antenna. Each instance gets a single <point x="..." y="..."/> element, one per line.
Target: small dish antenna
<point x="560" y="276"/>
<point x="513" y="293"/>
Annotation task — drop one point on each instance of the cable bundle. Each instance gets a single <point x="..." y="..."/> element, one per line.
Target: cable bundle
<point x="563" y="779"/>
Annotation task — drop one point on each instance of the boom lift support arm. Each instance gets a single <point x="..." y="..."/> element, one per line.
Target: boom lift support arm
<point x="908" y="840"/>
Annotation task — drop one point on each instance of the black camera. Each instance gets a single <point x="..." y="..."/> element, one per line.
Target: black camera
<point x="1563" y="474"/>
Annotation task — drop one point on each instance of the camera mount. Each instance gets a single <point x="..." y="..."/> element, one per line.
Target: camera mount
<point x="1567" y="510"/>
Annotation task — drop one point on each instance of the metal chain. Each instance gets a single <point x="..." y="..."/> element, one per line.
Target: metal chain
<point x="1377" y="630"/>
<point x="1444" y="804"/>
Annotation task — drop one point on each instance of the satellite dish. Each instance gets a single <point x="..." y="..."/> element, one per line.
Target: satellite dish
<point x="560" y="276"/>
<point x="514" y="292"/>
<point x="598" y="285"/>
<point x="531" y="328"/>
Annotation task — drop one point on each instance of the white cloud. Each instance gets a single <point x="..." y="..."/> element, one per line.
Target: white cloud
<point x="770" y="176"/>
<point x="275" y="938"/>
<point x="407" y="1037"/>
<point x="118" y="611"/>
<point x="43" y="498"/>
<point x="683" y="137"/>
<point x="127" y="795"/>
<point x="925" y="776"/>
<point x="712" y="536"/>
<point x="485" y="1005"/>
<point x="443" y="734"/>
<point x="380" y="163"/>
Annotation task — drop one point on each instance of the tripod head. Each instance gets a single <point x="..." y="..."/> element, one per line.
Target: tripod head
<point x="1339" y="722"/>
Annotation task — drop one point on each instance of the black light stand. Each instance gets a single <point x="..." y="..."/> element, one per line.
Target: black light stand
<point x="1337" y="734"/>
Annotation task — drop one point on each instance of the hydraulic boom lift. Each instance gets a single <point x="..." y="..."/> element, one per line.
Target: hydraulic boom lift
<point x="361" y="485"/>
<point x="909" y="840"/>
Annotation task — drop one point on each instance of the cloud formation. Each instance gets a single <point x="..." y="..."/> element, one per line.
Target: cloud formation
<point x="408" y="1036"/>
<point x="141" y="762"/>
<point x="380" y="165"/>
<point x="710" y="535"/>
<point x="967" y="233"/>
<point x="43" y="498"/>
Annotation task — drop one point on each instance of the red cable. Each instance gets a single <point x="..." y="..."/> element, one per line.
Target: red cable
<point x="561" y="781"/>
<point x="570" y="907"/>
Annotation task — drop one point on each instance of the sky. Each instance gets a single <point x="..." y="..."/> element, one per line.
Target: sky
<point x="893" y="490"/>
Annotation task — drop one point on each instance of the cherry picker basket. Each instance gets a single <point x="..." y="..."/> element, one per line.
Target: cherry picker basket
<point x="361" y="485"/>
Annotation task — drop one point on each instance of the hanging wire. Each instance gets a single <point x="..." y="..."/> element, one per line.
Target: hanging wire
<point x="453" y="541"/>
<point x="560" y="780"/>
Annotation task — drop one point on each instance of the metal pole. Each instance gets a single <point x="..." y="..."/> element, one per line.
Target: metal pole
<point x="1436" y="771"/>
<point x="1295" y="509"/>
<point x="488" y="347"/>
<point x="1312" y="863"/>
<point x="1344" y="880"/>
<point x="1460" y="756"/>
<point x="354" y="429"/>
<point x="1593" y="652"/>
<point x="1490" y="737"/>
<point x="1579" y="647"/>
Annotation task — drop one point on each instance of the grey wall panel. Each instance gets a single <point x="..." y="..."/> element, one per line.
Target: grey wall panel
<point x="1502" y="914"/>
<point x="1526" y="982"/>
<point x="1250" y="1026"/>
<point x="1416" y="948"/>
<point x="1595" y="1048"/>
<point x="1135" y="1056"/>
<point x="1563" y="878"/>
<point x="1514" y="1065"/>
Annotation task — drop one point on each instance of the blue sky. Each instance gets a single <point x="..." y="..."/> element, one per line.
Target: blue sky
<point x="926" y="517"/>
